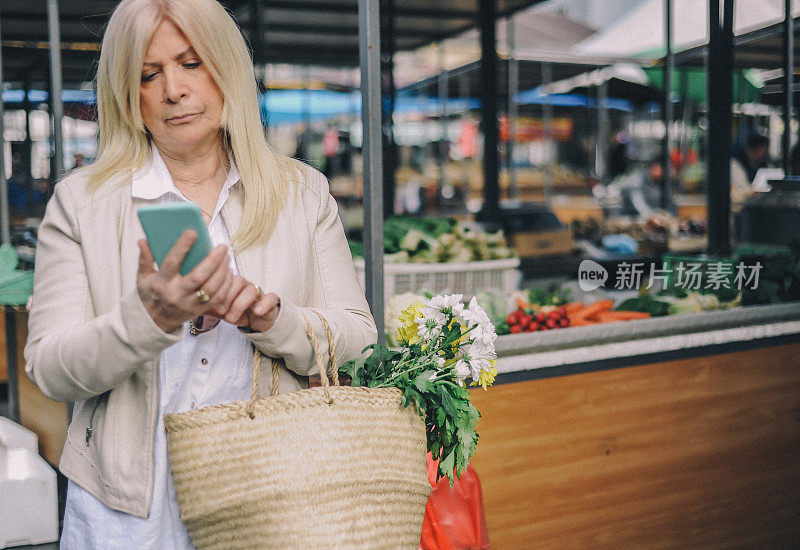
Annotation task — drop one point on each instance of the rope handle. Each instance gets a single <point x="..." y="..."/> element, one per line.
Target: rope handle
<point x="317" y="358"/>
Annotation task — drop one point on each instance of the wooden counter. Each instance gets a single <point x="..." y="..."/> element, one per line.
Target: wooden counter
<point x="701" y="452"/>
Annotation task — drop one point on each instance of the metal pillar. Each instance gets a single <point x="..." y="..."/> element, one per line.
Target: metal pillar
<point x="464" y="93"/>
<point x="513" y="89"/>
<point x="601" y="145"/>
<point x="788" y="85"/>
<point x="5" y="219"/>
<point x="489" y="100"/>
<point x="720" y="97"/>
<point x="386" y="8"/>
<point x="56" y="84"/>
<point x="372" y="145"/>
<point x="547" y="124"/>
<point x="27" y="148"/>
<point x="442" y="84"/>
<point x="669" y="65"/>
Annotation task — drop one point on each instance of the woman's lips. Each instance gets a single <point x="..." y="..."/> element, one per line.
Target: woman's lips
<point x="182" y="118"/>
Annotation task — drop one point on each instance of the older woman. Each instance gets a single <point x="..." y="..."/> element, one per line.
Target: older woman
<point x="179" y="121"/>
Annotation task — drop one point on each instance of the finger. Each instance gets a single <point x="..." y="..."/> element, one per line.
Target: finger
<point x="265" y="304"/>
<point x="237" y="284"/>
<point x="217" y="309"/>
<point x="197" y="277"/>
<point x="174" y="258"/>
<point x="146" y="259"/>
<point x="214" y="282"/>
<point x="243" y="301"/>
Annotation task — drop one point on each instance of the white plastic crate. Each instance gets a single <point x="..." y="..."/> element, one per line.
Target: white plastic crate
<point x="461" y="278"/>
<point x="14" y="436"/>
<point x="28" y="493"/>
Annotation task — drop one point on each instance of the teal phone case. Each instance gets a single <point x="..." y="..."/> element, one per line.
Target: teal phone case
<point x="164" y="223"/>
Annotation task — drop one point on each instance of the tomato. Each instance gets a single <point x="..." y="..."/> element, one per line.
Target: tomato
<point x="514" y="329"/>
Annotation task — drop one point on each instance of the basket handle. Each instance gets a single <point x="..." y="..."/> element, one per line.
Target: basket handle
<point x="317" y="357"/>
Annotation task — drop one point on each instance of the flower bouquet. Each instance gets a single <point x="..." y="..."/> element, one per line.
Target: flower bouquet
<point x="442" y="344"/>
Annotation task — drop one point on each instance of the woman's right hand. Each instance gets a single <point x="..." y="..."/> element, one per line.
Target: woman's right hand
<point x="172" y="299"/>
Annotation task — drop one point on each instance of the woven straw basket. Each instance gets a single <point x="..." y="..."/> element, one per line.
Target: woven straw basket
<point x="325" y="467"/>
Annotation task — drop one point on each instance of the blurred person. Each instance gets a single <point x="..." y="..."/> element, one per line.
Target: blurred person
<point x="754" y="155"/>
<point x="744" y="167"/>
<point x="618" y="162"/>
<point x="129" y="343"/>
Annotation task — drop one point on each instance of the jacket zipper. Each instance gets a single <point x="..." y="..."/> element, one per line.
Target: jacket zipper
<point x="91" y="420"/>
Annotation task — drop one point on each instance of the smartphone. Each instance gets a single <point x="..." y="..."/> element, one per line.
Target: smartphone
<point x="164" y="223"/>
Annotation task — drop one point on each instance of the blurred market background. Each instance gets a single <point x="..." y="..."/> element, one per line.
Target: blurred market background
<point x="522" y="141"/>
<point x="581" y="116"/>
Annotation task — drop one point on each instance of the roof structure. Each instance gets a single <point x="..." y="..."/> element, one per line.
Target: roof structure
<point x="466" y="80"/>
<point x="641" y="32"/>
<point x="758" y="49"/>
<point x="314" y="32"/>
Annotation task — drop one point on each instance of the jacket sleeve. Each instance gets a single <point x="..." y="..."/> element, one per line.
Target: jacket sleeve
<point x="345" y="308"/>
<point x="71" y="354"/>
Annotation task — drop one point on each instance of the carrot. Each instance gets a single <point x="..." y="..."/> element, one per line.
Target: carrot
<point x="588" y="311"/>
<point x="612" y="316"/>
<point x="573" y="307"/>
<point x="522" y="304"/>
<point x="581" y="322"/>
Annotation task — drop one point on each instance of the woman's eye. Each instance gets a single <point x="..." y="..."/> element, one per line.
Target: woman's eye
<point x="192" y="64"/>
<point x="148" y="77"/>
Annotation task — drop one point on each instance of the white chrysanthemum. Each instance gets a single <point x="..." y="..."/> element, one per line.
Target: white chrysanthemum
<point x="480" y="357"/>
<point x="461" y="370"/>
<point x="447" y="305"/>
<point x="475" y="316"/>
<point x="427" y="327"/>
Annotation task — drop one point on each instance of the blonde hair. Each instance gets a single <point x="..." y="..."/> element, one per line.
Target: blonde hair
<point x="124" y="144"/>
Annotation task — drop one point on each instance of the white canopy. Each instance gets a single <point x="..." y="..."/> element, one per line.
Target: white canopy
<point x="642" y="30"/>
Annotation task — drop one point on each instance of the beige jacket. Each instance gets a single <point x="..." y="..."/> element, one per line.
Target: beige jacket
<point x="91" y="340"/>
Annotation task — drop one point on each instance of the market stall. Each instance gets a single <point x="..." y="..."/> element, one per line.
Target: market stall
<point x="659" y="435"/>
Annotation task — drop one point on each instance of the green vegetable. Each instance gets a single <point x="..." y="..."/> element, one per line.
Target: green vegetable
<point x="496" y="306"/>
<point x="434" y="240"/>
<point x="400" y="257"/>
<point x="356" y="249"/>
<point x="646" y="303"/>
<point x="542" y="297"/>
<point x="411" y="240"/>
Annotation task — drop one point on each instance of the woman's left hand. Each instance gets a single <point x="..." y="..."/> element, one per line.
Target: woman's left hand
<point x="246" y="306"/>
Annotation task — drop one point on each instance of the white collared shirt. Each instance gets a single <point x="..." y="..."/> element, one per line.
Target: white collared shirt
<point x="207" y="369"/>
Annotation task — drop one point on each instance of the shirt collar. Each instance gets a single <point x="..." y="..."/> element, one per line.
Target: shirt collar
<point x="153" y="180"/>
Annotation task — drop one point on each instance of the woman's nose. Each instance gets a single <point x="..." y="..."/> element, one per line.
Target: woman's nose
<point x="174" y="86"/>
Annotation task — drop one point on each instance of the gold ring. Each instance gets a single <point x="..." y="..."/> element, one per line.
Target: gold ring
<point x="258" y="289"/>
<point x="202" y="295"/>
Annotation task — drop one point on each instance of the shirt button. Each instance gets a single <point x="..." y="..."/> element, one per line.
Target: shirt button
<point x="204" y="361"/>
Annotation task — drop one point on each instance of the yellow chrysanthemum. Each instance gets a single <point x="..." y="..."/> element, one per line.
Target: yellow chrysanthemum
<point x="408" y="328"/>
<point x="487" y="377"/>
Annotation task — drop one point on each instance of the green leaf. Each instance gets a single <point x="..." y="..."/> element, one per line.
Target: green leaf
<point x="422" y="381"/>
<point x="447" y="465"/>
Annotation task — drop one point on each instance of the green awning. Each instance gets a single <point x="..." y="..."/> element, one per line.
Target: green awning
<point x="690" y="83"/>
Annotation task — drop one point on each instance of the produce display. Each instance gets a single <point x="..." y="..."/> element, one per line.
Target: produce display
<point x="655" y="235"/>
<point x="437" y="240"/>
<point x="538" y="309"/>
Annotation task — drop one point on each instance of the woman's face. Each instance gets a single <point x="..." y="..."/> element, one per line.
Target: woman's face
<point x="181" y="104"/>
